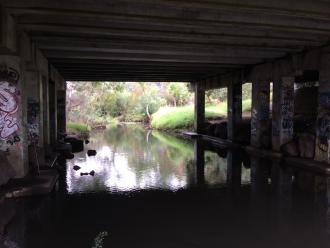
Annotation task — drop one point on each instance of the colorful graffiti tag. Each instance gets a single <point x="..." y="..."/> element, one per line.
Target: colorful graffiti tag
<point x="9" y="97"/>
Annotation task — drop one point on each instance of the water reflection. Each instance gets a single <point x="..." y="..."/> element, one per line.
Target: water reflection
<point x="183" y="194"/>
<point x="130" y="158"/>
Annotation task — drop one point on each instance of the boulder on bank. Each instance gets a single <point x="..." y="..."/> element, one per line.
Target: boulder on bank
<point x="219" y="130"/>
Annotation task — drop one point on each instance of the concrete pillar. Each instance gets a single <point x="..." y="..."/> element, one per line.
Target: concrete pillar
<point x="199" y="161"/>
<point x="322" y="147"/>
<point x="260" y="134"/>
<point x="61" y="110"/>
<point x="45" y="110"/>
<point x="199" y="118"/>
<point x="13" y="131"/>
<point x="52" y="93"/>
<point x="33" y="105"/>
<point x="283" y="112"/>
<point x="234" y="109"/>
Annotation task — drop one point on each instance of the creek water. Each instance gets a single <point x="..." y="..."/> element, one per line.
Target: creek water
<point x="153" y="189"/>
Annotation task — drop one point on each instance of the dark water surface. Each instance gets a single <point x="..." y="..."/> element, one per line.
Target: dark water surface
<point x="151" y="189"/>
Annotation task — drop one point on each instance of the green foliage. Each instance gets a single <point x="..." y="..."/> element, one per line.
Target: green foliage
<point x="247" y="91"/>
<point x="98" y="102"/>
<point x="102" y="102"/>
<point x="216" y="95"/>
<point x="183" y="117"/>
<point x="179" y="93"/>
<point x="149" y="102"/>
<point x="78" y="127"/>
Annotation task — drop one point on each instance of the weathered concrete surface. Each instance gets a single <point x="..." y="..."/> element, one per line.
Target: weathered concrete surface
<point x="199" y="117"/>
<point x="7" y="170"/>
<point x="234" y="110"/>
<point x="13" y="135"/>
<point x="260" y="122"/>
<point x="283" y="112"/>
<point x="322" y="147"/>
<point x="39" y="185"/>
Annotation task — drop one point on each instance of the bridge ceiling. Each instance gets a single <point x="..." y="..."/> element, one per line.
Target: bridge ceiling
<point x="168" y="40"/>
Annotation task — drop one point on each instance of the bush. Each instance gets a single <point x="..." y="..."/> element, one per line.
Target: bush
<point x="80" y="127"/>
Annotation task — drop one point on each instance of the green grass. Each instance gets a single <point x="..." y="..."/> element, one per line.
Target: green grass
<point x="183" y="117"/>
<point x="80" y="127"/>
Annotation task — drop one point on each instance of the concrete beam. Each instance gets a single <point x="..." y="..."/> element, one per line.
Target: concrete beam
<point x="8" y="29"/>
<point x="234" y="109"/>
<point x="244" y="13"/>
<point x="37" y="30"/>
<point x="199" y="118"/>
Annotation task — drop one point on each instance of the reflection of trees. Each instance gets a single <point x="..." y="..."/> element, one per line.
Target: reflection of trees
<point x="150" y="153"/>
<point x="156" y="156"/>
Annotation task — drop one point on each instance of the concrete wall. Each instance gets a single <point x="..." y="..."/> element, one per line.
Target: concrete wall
<point x="24" y="96"/>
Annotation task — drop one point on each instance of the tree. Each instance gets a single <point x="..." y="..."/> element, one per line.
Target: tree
<point x="179" y="93"/>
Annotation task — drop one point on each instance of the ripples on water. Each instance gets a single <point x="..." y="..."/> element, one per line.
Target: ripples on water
<point x="151" y="189"/>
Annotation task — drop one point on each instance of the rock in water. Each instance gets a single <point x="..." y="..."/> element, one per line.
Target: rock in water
<point x="76" y="167"/>
<point x="92" y="173"/>
<point x="83" y="174"/>
<point x="86" y="142"/>
<point x="91" y="152"/>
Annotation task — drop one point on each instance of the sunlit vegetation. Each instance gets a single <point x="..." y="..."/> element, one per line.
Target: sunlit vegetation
<point x="183" y="117"/>
<point x="95" y="103"/>
<point x="79" y="127"/>
<point x="158" y="105"/>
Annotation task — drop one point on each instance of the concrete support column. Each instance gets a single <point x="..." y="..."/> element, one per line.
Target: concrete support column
<point x="13" y="131"/>
<point x="45" y="110"/>
<point x="234" y="109"/>
<point x="52" y="93"/>
<point x="61" y="111"/>
<point x="322" y="146"/>
<point x="260" y="135"/>
<point x="283" y="112"/>
<point x="199" y="119"/>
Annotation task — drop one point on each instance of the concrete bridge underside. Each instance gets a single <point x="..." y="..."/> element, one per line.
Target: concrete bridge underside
<point x="212" y="44"/>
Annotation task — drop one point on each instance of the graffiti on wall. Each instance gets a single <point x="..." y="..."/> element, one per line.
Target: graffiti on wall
<point x="323" y="121"/>
<point x="32" y="120"/>
<point x="9" y="100"/>
<point x="287" y="109"/>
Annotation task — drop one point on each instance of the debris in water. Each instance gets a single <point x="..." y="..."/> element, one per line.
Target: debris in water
<point x="91" y="152"/>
